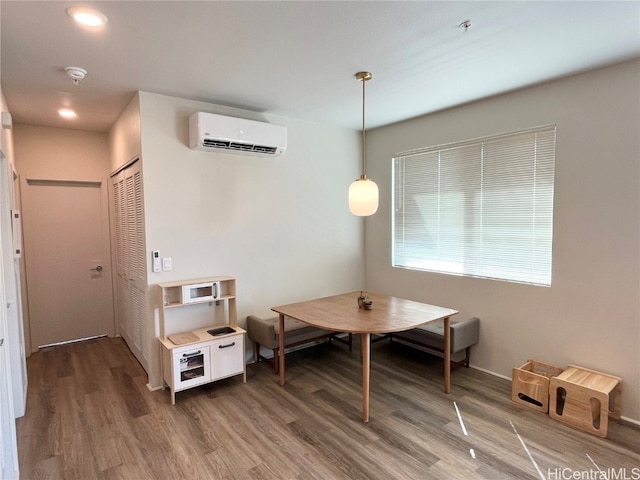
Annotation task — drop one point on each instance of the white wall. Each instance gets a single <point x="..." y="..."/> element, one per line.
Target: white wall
<point x="12" y="356"/>
<point x="12" y="276"/>
<point x="590" y="316"/>
<point x="282" y="226"/>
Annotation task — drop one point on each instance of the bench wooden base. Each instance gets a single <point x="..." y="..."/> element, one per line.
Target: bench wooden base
<point x="460" y="363"/>
<point x="273" y="361"/>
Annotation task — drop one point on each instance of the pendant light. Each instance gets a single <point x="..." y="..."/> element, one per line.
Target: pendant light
<point x="363" y="193"/>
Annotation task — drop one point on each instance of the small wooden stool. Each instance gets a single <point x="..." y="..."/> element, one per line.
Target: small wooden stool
<point x="530" y="384"/>
<point x="584" y="399"/>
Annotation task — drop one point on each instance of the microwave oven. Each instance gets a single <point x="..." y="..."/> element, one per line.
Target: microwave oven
<point x="200" y="292"/>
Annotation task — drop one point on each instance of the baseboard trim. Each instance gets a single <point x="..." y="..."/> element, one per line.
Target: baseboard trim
<point x="632" y="421"/>
<point x="484" y="370"/>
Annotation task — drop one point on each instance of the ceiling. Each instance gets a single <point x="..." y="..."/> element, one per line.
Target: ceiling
<point x="297" y="59"/>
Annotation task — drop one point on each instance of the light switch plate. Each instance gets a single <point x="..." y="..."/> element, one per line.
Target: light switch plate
<point x="166" y="264"/>
<point x="7" y="122"/>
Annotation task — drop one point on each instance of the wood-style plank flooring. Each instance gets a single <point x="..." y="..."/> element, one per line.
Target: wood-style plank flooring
<point x="91" y="416"/>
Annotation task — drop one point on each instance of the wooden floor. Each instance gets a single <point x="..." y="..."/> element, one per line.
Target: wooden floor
<point x="90" y="415"/>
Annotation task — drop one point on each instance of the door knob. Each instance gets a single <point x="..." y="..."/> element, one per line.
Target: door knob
<point x="97" y="269"/>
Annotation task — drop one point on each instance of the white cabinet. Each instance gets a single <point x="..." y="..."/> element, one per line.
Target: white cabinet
<point x="207" y="359"/>
<point x="192" y="357"/>
<point x="227" y="357"/>
<point x="191" y="366"/>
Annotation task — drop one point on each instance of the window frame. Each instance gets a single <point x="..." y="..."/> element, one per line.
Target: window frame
<point x="519" y="158"/>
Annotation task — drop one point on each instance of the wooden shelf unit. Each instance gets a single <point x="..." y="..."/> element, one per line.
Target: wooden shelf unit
<point x="171" y="297"/>
<point x="200" y="357"/>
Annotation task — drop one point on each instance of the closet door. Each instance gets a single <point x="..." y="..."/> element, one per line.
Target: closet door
<point x="119" y="225"/>
<point x="130" y="260"/>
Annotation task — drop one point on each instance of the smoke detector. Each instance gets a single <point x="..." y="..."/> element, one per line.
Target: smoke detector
<point x="76" y="74"/>
<point x="466" y="24"/>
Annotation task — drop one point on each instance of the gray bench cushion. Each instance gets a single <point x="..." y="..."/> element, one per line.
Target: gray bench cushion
<point x="265" y="332"/>
<point x="464" y="334"/>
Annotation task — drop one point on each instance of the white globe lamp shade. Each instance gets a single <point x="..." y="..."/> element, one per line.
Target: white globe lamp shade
<point x="363" y="197"/>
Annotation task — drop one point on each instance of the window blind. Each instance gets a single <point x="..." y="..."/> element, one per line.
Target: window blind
<point x="481" y="208"/>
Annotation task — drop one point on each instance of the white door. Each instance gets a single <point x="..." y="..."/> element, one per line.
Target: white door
<point x="8" y="443"/>
<point x="130" y="260"/>
<point x="68" y="274"/>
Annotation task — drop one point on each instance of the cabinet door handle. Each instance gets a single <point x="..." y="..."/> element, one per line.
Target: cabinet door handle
<point x="227" y="345"/>
<point x="192" y="353"/>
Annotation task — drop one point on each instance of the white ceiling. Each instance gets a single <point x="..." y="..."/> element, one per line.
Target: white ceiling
<point x="297" y="59"/>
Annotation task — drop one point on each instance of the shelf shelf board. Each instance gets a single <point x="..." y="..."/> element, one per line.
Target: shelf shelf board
<point x="195" y="280"/>
<point x="197" y="302"/>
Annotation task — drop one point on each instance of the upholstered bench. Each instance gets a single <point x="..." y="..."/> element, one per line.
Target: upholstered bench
<point x="430" y="336"/>
<point x="265" y="333"/>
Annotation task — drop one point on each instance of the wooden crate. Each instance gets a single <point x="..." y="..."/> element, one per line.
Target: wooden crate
<point x="585" y="399"/>
<point x="530" y="384"/>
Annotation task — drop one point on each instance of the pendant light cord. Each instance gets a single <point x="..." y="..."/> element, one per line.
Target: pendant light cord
<point x="364" y="137"/>
<point x="363" y="193"/>
<point x="363" y="77"/>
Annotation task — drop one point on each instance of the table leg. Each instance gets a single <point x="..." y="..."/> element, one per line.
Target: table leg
<point x="447" y="355"/>
<point x="365" y="350"/>
<point x="280" y="358"/>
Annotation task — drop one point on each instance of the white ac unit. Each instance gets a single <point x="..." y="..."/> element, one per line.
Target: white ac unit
<point x="219" y="133"/>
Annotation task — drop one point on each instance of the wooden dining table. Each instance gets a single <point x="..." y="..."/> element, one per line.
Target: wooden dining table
<point x="341" y="313"/>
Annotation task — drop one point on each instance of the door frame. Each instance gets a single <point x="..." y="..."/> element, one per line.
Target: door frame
<point x="102" y="184"/>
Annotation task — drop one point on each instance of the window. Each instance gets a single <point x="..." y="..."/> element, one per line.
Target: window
<point x="481" y="208"/>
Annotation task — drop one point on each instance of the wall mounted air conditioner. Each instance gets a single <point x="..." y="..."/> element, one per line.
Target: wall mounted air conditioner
<point x="219" y="133"/>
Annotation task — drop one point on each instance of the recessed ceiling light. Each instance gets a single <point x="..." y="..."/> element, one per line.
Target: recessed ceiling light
<point x="67" y="113"/>
<point x="87" y="16"/>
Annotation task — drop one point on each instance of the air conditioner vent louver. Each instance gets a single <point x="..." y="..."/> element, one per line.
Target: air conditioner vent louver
<point x="212" y="132"/>
<point x="208" y="142"/>
<point x="245" y="147"/>
<point x="240" y="146"/>
<point x="262" y="148"/>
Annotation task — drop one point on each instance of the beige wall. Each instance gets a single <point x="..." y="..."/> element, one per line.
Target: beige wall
<point x="282" y="226"/>
<point x="6" y="138"/>
<point x="60" y="153"/>
<point x="124" y="136"/>
<point x="590" y="316"/>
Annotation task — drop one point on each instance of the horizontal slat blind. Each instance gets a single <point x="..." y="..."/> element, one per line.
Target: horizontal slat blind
<point x="481" y="208"/>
